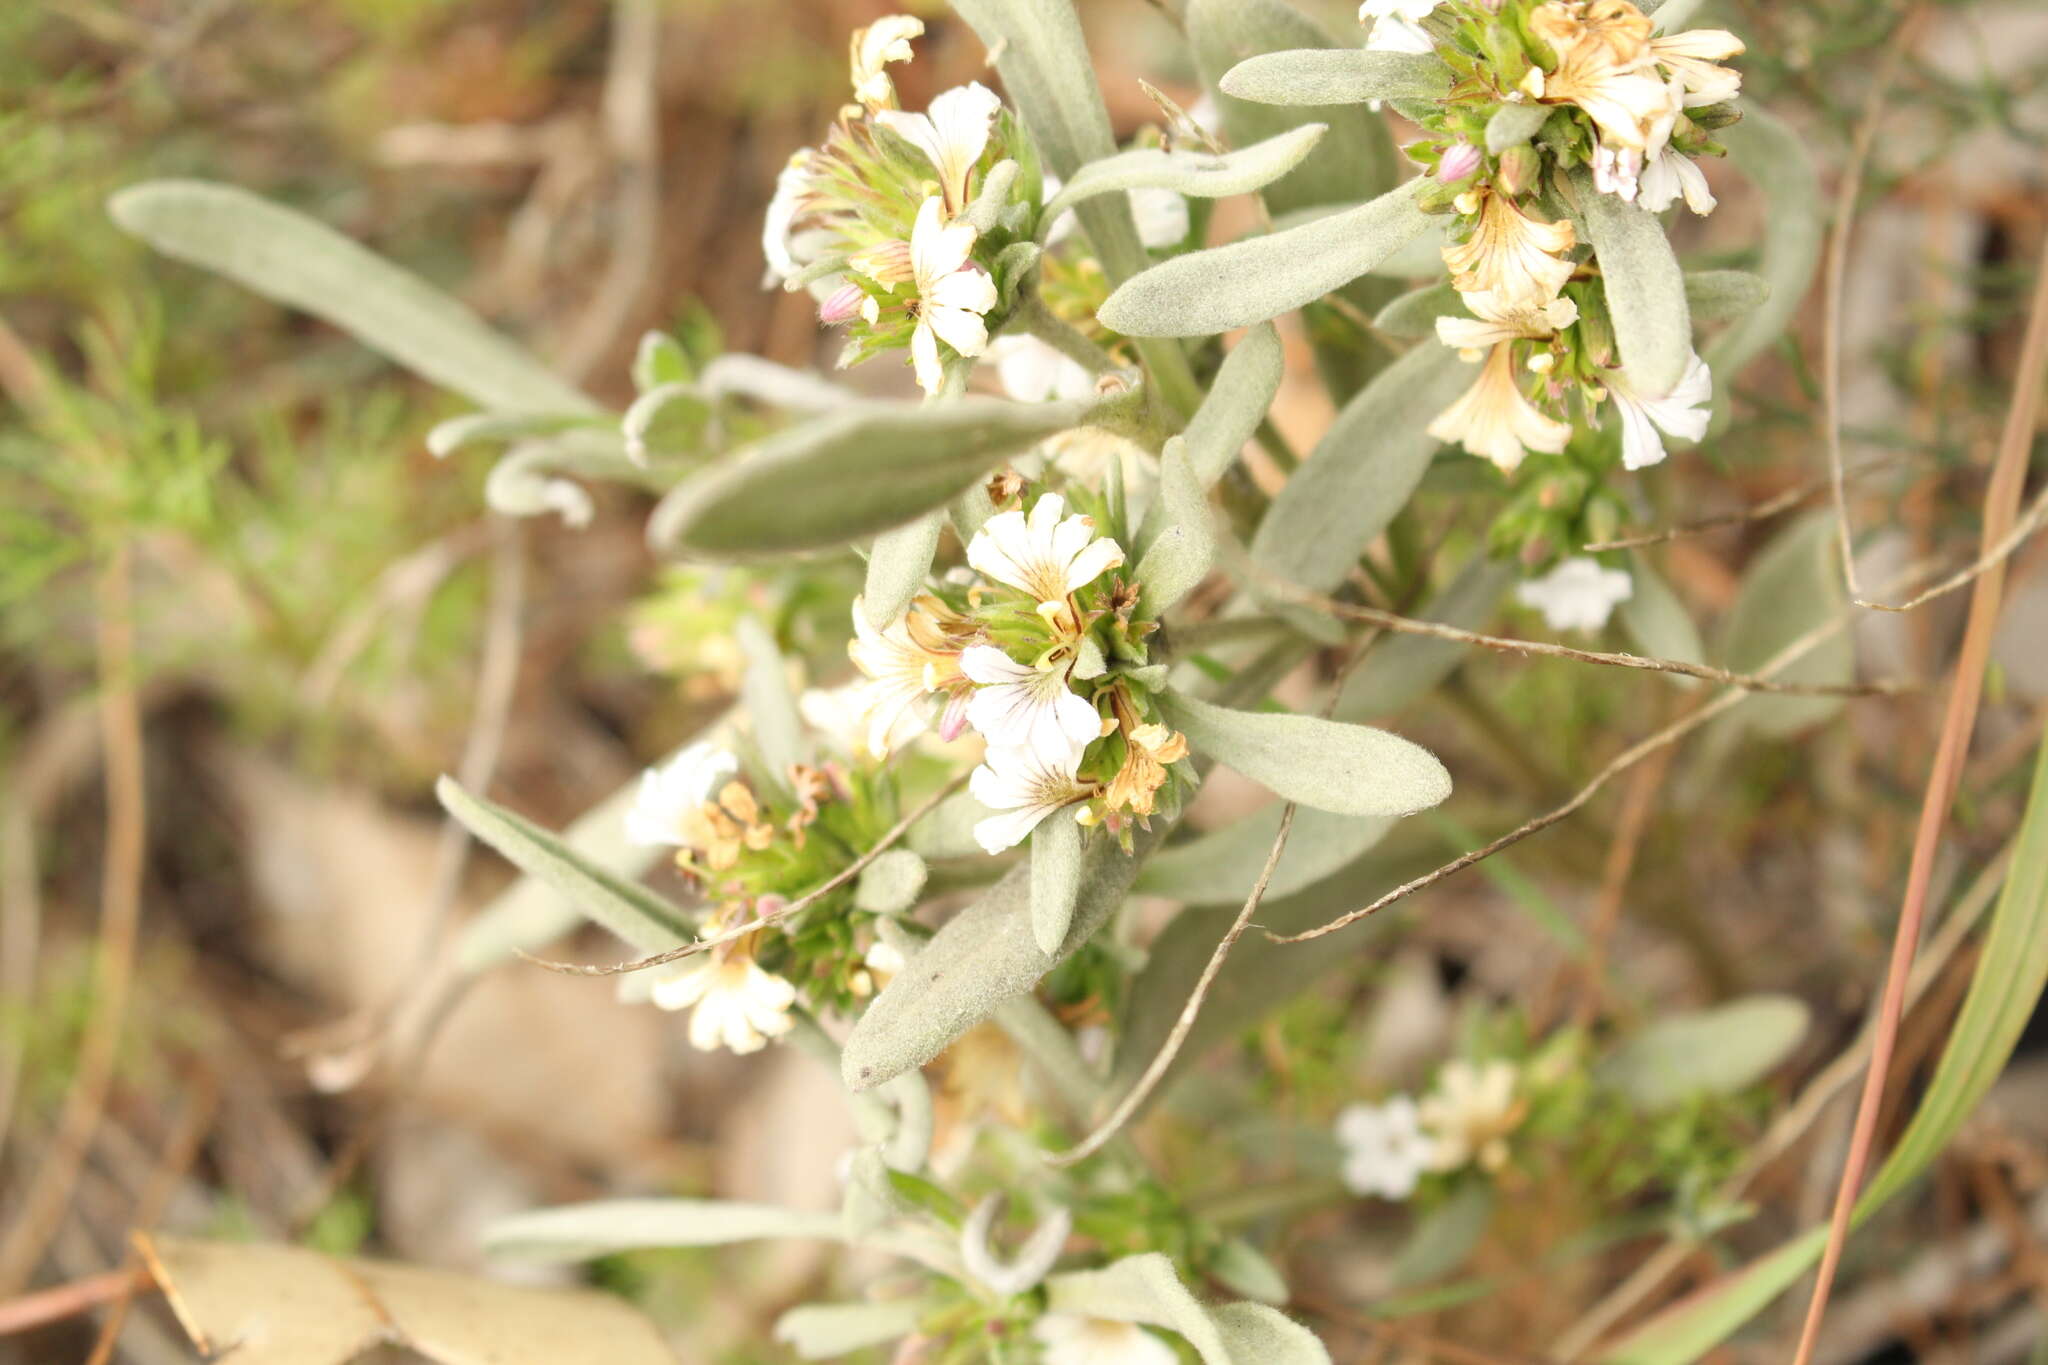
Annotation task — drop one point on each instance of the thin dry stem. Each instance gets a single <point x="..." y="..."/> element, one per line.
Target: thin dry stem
<point x="1763" y="511"/>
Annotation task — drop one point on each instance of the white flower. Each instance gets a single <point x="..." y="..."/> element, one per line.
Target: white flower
<point x="738" y="1005"/>
<point x="1018" y="706"/>
<point x="779" y="224"/>
<point x="952" y="133"/>
<point x="1494" y="420"/>
<point x="843" y="715"/>
<point x="900" y="674"/>
<point x="1034" y="1258"/>
<point x="952" y="294"/>
<point x="670" y="794"/>
<point x="1617" y="171"/>
<point x="874" y="47"/>
<point x="1669" y="174"/>
<point x="1577" y="595"/>
<point x="1692" y="58"/>
<point x="1492" y="323"/>
<point x="1044" y="555"/>
<point x="1070" y="1339"/>
<point x="1683" y="413"/>
<point x="1396" y="25"/>
<point x="1470" y="1114"/>
<point x="1385" y="1150"/>
<point x="1033" y="372"/>
<point x="1023" y="788"/>
<point x="1512" y="256"/>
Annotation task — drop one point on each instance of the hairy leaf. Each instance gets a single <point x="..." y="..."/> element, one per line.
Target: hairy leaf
<point x="771" y="706"/>
<point x="891" y="883"/>
<point x="1707" y="1052"/>
<point x="1327" y="764"/>
<point x="1718" y="295"/>
<point x="1238" y="399"/>
<point x="1414" y="313"/>
<point x="583" y="1232"/>
<point x="826" y="1331"/>
<point x="1514" y="124"/>
<point x="1336" y="75"/>
<point x="1197" y="174"/>
<point x="1794" y="220"/>
<point x="1178" y="557"/>
<point x="1644" y="288"/>
<point x="1792" y="587"/>
<point x="1055" y="880"/>
<point x="1222" y="865"/>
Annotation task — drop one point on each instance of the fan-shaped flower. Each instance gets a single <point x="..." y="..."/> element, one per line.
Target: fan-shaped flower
<point x="1396" y="25"/>
<point x="1024" y="707"/>
<point x="1579" y="594"/>
<point x="952" y="294"/>
<point x="1693" y="58"/>
<point x="1385" y="1149"/>
<point x="1669" y="174"/>
<point x="1470" y="1114"/>
<point x="1682" y="413"/>
<point x="1511" y="256"/>
<point x="1047" y="554"/>
<point x="1493" y="419"/>
<point x="901" y="673"/>
<point x="1023" y="788"/>
<point x="953" y="133"/>
<point x="670" y="796"/>
<point x="874" y="47"/>
<point x="1605" y="67"/>
<point x="1492" y="324"/>
<point x="737" y="1004"/>
<point x="1071" y="1339"/>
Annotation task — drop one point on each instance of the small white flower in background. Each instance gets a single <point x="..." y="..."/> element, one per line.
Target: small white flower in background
<point x="1033" y="372"/>
<point x="1470" y="1114"/>
<point x="1161" y="216"/>
<point x="1070" y="1339"/>
<point x="952" y="294"/>
<point x="901" y="674"/>
<point x="874" y="47"/>
<point x="671" y="793"/>
<point x="883" y="960"/>
<point x="1396" y="25"/>
<point x="1023" y="789"/>
<point x="1492" y="323"/>
<point x="738" y="1005"/>
<point x="1018" y="706"/>
<point x="1385" y="1149"/>
<point x="1047" y="554"/>
<point x="1034" y="1258"/>
<point x="1670" y="174"/>
<point x="1493" y="419"/>
<point x="1682" y="413"/>
<point x="841" y="715"/>
<point x="1692" y="57"/>
<point x="1512" y="256"/>
<point x="1577" y="595"/>
<point x="952" y="133"/>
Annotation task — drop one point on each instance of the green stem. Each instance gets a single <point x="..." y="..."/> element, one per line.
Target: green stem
<point x="1041" y="322"/>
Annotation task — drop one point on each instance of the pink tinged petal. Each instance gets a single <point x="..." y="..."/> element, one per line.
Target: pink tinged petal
<point x="954" y="718"/>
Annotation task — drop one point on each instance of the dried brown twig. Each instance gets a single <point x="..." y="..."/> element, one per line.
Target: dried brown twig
<point x="1763" y="511"/>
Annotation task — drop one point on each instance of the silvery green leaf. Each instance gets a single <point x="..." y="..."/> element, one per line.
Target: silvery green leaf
<point x="1089" y="660"/>
<point x="1223" y="864"/>
<point x="825" y="1331"/>
<point x="291" y="258"/>
<point x="947" y="832"/>
<point x="1354" y="161"/>
<point x="869" y="1200"/>
<point x="1327" y="764"/>
<point x="525" y="481"/>
<point x="1715" y="1051"/>
<point x="898" y="563"/>
<point x="911" y="1142"/>
<point x="1179" y="555"/>
<point x="1255" y="1332"/>
<point x="1205" y="292"/>
<point x="1657" y="621"/>
<point x="1141" y="1289"/>
<point x="1336" y="75"/>
<point x="479" y="428"/>
<point x="668" y="419"/>
<point x="628" y="909"/>
<point x="584" y="1232"/>
<point x="1402" y="668"/>
<point x="770" y="705"/>
<point x="1445" y="1237"/>
<point x="1197" y="174"/>
<point x="993" y="197"/>
<point x="891" y="883"/>
<point x="1794" y="220"/>
<point x="1418" y="258"/>
<point x="1240" y="1267"/>
<point x="659" y="359"/>
<point x="1791" y="588"/>
<point x="1514" y="124"/>
<point x="1238" y="399"/>
<point x="1362" y="473"/>
<point x="749" y="376"/>
<point x="1718" y="295"/>
<point x="1055" y="879"/>
<point x="1644" y="287"/>
<point x="982" y="957"/>
<point x="1414" y="314"/>
<point x="849" y="473"/>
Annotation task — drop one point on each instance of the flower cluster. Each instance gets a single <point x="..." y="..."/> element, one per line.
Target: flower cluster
<point x="1465" y="1121"/>
<point x="1035" y="646"/>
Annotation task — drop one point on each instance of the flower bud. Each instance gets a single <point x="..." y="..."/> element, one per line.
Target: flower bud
<point x="1517" y="169"/>
<point x="1460" y="160"/>
<point x="1715" y="115"/>
<point x="841" y="305"/>
<point x="1596" y="339"/>
<point x="1603" y="519"/>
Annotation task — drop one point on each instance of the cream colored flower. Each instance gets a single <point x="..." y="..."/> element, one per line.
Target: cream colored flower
<point x="737" y="1005"/>
<point x="901" y="673"/>
<point x="1385" y="1149"/>
<point x="1576" y="595"/>
<point x="1023" y="788"/>
<point x="665" y="808"/>
<point x="1033" y="372"/>
<point x="1684" y="413"/>
<point x="952" y="133"/>
<point x="1605" y="67"/>
<point x="952" y="294"/>
<point x="1670" y="174"/>
<point x="1493" y="419"/>
<point x="1470" y="1114"/>
<point x="1048" y="554"/>
<point x="1492" y="323"/>
<point x="1515" y="258"/>
<point x="1070" y="1339"/>
<point x="1693" y="56"/>
<point x="1018" y="706"/>
<point x="874" y="47"/>
<point x="842" y="715"/>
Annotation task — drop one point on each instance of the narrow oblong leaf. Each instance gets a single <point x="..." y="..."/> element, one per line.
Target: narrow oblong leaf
<point x="1180" y="554"/>
<point x="298" y="261"/>
<point x="1400" y="670"/>
<point x="1444" y="1238"/>
<point x="1362" y="472"/>
<point x="898" y="562"/>
<point x="1657" y="621"/>
<point x="628" y="909"/>
<point x="825" y="1331"/>
<point x="1238" y="399"/>
<point x="848" y="474"/>
<point x="1514" y="124"/>
<point x="1336" y="75"/>
<point x="1258" y="1332"/>
<point x="1142" y="1289"/>
<point x="1718" y="295"/>
<point x="1222" y="865"/>
<point x="668" y="419"/>
<point x="583" y="1232"/>
<point x="1327" y="764"/>
<point x="1777" y="162"/>
<point x="526" y="481"/>
<point x="1241" y="1268"/>
<point x="1715" y="1051"/>
<point x="1197" y="174"/>
<point x="1055" y="880"/>
<point x="483" y="428"/>
<point x="770" y="704"/>
<point x="1259" y="278"/>
<point x="891" y="883"/>
<point x="1644" y="287"/>
<point x="1793" y="586"/>
<point x="1413" y="315"/>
